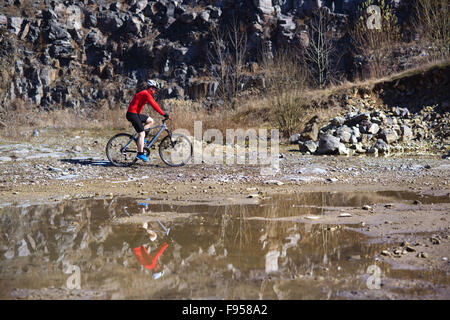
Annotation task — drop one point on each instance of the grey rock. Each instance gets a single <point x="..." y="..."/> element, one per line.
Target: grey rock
<point x="204" y="16"/>
<point x="328" y="144"/>
<point x="109" y="22"/>
<point x="356" y="132"/>
<point x="15" y="24"/>
<point x="343" y="150"/>
<point x="3" y="21"/>
<point x="401" y="112"/>
<point x="140" y="5"/>
<point x="381" y="146"/>
<point x="188" y="17"/>
<point x="344" y="134"/>
<point x="133" y="25"/>
<point x="56" y="31"/>
<point x="264" y="6"/>
<point x="337" y="121"/>
<point x="77" y="149"/>
<point x="373" y="128"/>
<point x="358" y="119"/>
<point x="407" y="133"/>
<point x="311" y="131"/>
<point x="23" y="250"/>
<point x="388" y="135"/>
<point x="74" y="17"/>
<point x="309" y="146"/>
<point x="294" y="138"/>
<point x="90" y="20"/>
<point x="49" y="14"/>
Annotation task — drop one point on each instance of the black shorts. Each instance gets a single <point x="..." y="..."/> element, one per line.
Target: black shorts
<point x="137" y="120"/>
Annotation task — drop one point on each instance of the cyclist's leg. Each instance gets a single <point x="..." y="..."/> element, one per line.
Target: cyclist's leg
<point x="136" y="121"/>
<point x="146" y="121"/>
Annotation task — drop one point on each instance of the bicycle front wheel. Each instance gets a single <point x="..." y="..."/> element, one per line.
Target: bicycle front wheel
<point x="175" y="150"/>
<point x="121" y="150"/>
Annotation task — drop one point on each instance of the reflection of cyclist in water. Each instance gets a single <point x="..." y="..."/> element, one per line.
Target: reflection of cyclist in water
<point x="148" y="261"/>
<point x="144" y="257"/>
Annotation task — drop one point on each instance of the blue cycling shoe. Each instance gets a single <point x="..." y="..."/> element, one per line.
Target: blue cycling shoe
<point x="142" y="157"/>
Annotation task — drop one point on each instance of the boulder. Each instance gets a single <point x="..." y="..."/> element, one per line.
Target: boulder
<point x="407" y="133"/>
<point x="15" y="24"/>
<point x="381" y="146"/>
<point x="49" y="14"/>
<point x="356" y="132"/>
<point x="328" y="144"/>
<point x="133" y="25"/>
<point x="308" y="146"/>
<point x="344" y="134"/>
<point x="401" y="112"/>
<point x="294" y="139"/>
<point x="337" y="121"/>
<point x="264" y="6"/>
<point x="109" y="22"/>
<point x="388" y="135"/>
<point x="90" y="20"/>
<point x="61" y="49"/>
<point x="373" y="128"/>
<point x="55" y="31"/>
<point x="3" y="21"/>
<point x="188" y="17"/>
<point x="311" y="131"/>
<point x="343" y="150"/>
<point x="357" y="119"/>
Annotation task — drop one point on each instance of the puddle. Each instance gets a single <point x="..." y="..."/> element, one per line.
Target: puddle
<point x="198" y="250"/>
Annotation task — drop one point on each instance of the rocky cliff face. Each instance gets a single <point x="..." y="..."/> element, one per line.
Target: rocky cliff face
<point x="82" y="54"/>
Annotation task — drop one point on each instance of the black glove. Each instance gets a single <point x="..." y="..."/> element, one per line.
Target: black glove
<point x="166" y="116"/>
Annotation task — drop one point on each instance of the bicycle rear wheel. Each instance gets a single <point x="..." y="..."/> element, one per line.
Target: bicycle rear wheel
<point x="175" y="152"/>
<point x="121" y="150"/>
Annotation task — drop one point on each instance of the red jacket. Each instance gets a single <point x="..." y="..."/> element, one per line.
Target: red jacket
<point x="146" y="260"/>
<point x="140" y="99"/>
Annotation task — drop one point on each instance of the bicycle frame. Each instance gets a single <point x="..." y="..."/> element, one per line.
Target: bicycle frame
<point x="161" y="127"/>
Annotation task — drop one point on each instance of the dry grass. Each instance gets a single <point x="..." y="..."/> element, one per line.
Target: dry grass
<point x="19" y="120"/>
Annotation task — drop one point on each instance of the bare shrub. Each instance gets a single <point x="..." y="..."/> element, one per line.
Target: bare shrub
<point x="432" y="24"/>
<point x="288" y="109"/>
<point x="373" y="43"/>
<point x="227" y="57"/>
<point x="285" y="71"/>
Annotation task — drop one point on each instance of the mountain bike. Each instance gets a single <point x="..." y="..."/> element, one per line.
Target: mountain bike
<point x="175" y="149"/>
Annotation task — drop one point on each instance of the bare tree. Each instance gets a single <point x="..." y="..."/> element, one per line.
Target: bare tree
<point x="227" y="57"/>
<point x="319" y="53"/>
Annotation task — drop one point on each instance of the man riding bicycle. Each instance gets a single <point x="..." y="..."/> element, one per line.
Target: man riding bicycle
<point x="141" y="122"/>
